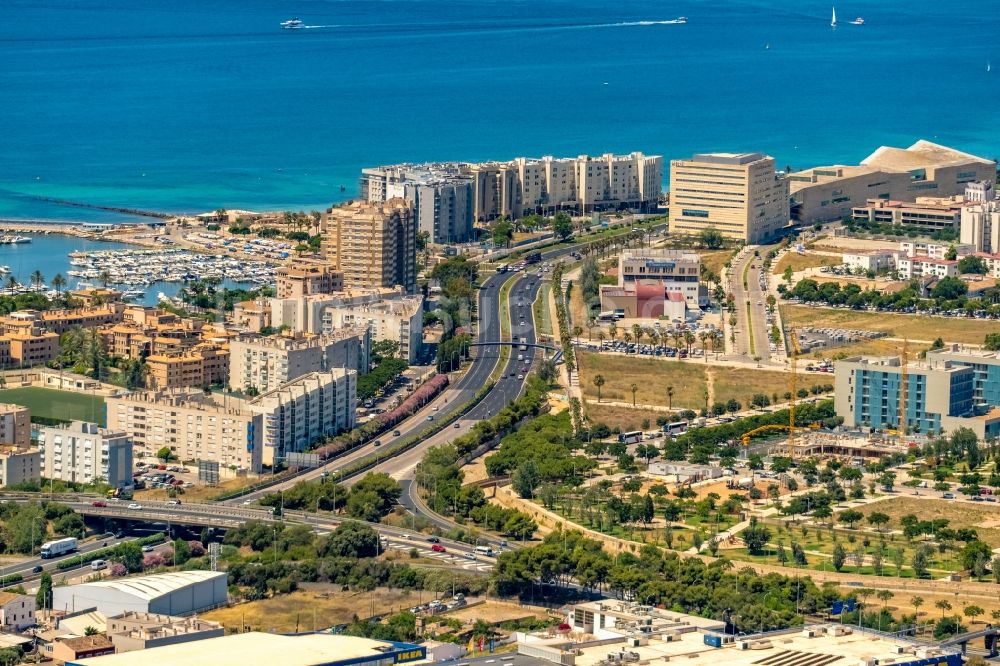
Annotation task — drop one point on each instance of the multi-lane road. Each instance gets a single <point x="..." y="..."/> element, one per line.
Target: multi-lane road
<point x="746" y="274"/>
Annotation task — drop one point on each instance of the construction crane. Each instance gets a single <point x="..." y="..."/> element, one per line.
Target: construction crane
<point x="793" y="345"/>
<point x="903" y="381"/>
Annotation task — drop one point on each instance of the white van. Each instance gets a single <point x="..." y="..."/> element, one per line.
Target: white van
<point x="97" y="565"/>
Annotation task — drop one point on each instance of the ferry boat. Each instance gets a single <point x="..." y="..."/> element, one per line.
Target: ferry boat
<point x="291" y="24"/>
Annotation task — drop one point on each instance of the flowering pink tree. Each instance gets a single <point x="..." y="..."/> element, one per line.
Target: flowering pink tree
<point x="118" y="569"/>
<point x="152" y="561"/>
<point x="195" y="548"/>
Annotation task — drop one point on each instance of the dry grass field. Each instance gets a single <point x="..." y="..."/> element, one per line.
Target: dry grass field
<point x="914" y="327"/>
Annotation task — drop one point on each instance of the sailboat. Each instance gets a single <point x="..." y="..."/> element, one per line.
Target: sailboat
<point x="833" y="21"/>
<point x="988" y="66"/>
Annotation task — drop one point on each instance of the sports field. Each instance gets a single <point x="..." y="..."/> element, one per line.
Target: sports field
<point x="53" y="404"/>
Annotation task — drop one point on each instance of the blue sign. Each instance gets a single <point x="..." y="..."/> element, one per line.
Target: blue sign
<point x="838" y="608"/>
<point x="851" y="605"/>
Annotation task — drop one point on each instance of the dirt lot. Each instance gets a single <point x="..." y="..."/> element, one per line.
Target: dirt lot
<point x="324" y="603"/>
<point x="984" y="518"/>
<point x="799" y="262"/>
<point x="651" y="375"/>
<point x="914" y="327"/>
<point x="715" y="260"/>
<point x="496" y="611"/>
<point x="623" y="417"/>
<point x="199" y="492"/>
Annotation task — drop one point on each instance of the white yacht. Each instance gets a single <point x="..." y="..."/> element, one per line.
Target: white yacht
<point x="858" y="21"/>
<point x="292" y="24"/>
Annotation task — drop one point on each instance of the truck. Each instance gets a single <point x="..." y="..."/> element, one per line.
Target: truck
<point x="58" y="547"/>
<point x="532" y="257"/>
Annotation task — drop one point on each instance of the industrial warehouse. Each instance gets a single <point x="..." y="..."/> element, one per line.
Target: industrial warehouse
<point x="176" y="593"/>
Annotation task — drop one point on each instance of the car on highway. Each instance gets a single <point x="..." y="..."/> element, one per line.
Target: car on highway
<point x="433" y="539"/>
<point x="174" y="502"/>
<point x="457" y="425"/>
<point x="36" y="569"/>
<point x="247" y="502"/>
<point x="148" y="548"/>
<point x="438" y="548"/>
<point x="377" y="442"/>
<point x="469" y="556"/>
<point x="99" y="503"/>
<point x="135" y="506"/>
<point x="396" y="433"/>
<point x="430" y="417"/>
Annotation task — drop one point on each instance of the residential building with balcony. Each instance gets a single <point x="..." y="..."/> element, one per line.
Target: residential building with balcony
<point x="84" y="452"/>
<point x="372" y="245"/>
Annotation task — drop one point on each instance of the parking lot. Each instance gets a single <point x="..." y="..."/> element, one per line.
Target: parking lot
<point x="812" y="338"/>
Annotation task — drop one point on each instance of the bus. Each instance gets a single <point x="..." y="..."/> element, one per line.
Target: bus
<point x="630" y="437"/>
<point x="485" y="550"/>
<point x="675" y="428"/>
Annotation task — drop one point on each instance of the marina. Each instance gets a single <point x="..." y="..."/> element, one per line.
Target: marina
<point x="143" y="274"/>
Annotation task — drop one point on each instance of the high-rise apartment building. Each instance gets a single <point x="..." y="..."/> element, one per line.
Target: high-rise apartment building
<point x="84" y="453"/>
<point x="372" y="245"/>
<point x="980" y="220"/>
<point x="19" y="465"/>
<point x="738" y="194"/>
<point x="15" y="425"/>
<point x="304" y="279"/>
<point x="441" y="196"/>
<point x="260" y="364"/>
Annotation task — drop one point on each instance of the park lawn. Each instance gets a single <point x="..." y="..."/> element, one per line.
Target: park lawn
<point x="625" y="418"/>
<point x="55" y="404"/>
<point x="800" y="262"/>
<point x="742" y="383"/>
<point x="914" y="327"/>
<point x="651" y="376"/>
<point x="985" y="518"/>
<point x="286" y="613"/>
<point x="540" y="310"/>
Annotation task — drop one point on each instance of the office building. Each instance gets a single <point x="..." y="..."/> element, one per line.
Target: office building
<point x="980" y="223"/>
<point x="174" y="593"/>
<point x="318" y="649"/>
<point x="372" y="245"/>
<point x="927" y="214"/>
<point x="898" y="174"/>
<point x="389" y="313"/>
<point x="870" y="260"/>
<point x="258" y="364"/>
<point x="15" y="425"/>
<point x="84" y="453"/>
<point x="139" y="630"/>
<point x="677" y="270"/>
<point x="299" y="414"/>
<point x="192" y="424"/>
<point x="305" y="279"/>
<point x="19" y="465"/>
<point x="740" y="195"/>
<point x="940" y="395"/>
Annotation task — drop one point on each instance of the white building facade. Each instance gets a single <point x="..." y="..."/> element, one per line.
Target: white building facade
<point x="83" y="452"/>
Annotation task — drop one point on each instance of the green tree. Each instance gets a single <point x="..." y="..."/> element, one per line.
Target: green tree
<point x="350" y="539"/>
<point x="526" y="479"/>
<point x="598" y="382"/>
<point x="562" y="225"/>
<point x="756" y="536"/>
<point x="711" y="238"/>
<point x="502" y="232"/>
<point x="165" y="454"/>
<point x="972" y="612"/>
<point x="43" y="598"/>
<point x="129" y="554"/>
<point x="992" y="341"/>
<point x="839" y="556"/>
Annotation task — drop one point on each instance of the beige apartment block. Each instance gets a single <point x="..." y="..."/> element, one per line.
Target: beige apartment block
<point x="372" y="245"/>
<point x="263" y="363"/>
<point x="899" y="174"/>
<point x="19" y="465"/>
<point x="15" y="425"/>
<point x="192" y="424"/>
<point x="304" y="279"/>
<point x="738" y="194"/>
<point x="201" y="366"/>
<point x="138" y="630"/>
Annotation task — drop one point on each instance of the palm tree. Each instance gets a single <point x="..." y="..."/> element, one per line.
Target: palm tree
<point x="577" y="332"/>
<point x="637" y="332"/>
<point x="670" y="397"/>
<point x="58" y="282"/>
<point x="601" y="336"/>
<point x="598" y="382"/>
<point x="689" y="339"/>
<point x="634" y="388"/>
<point x="104" y="278"/>
<point x="37" y="278"/>
<point x="590" y="329"/>
<point x="677" y="337"/>
<point x="613" y="331"/>
<point x="627" y="339"/>
<point x="703" y="336"/>
<point x="11" y="283"/>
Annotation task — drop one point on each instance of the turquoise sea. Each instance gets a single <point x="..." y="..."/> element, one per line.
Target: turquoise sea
<point x="190" y="105"/>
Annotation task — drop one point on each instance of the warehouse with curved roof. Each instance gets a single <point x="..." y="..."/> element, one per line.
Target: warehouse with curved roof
<point x="175" y="593"/>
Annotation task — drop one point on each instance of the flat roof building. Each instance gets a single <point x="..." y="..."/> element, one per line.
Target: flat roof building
<point x="137" y="630"/>
<point x="175" y="593"/>
<point x="740" y="195"/>
<point x="304" y="279"/>
<point x="19" y="465"/>
<point x="15" y="425"/>
<point x="84" y="452"/>
<point x="927" y="214"/>
<point x="278" y="649"/>
<point x="900" y="174"/>
<point x="372" y="245"/>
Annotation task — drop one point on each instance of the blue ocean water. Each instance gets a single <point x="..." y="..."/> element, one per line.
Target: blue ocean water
<point x="190" y="105"/>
